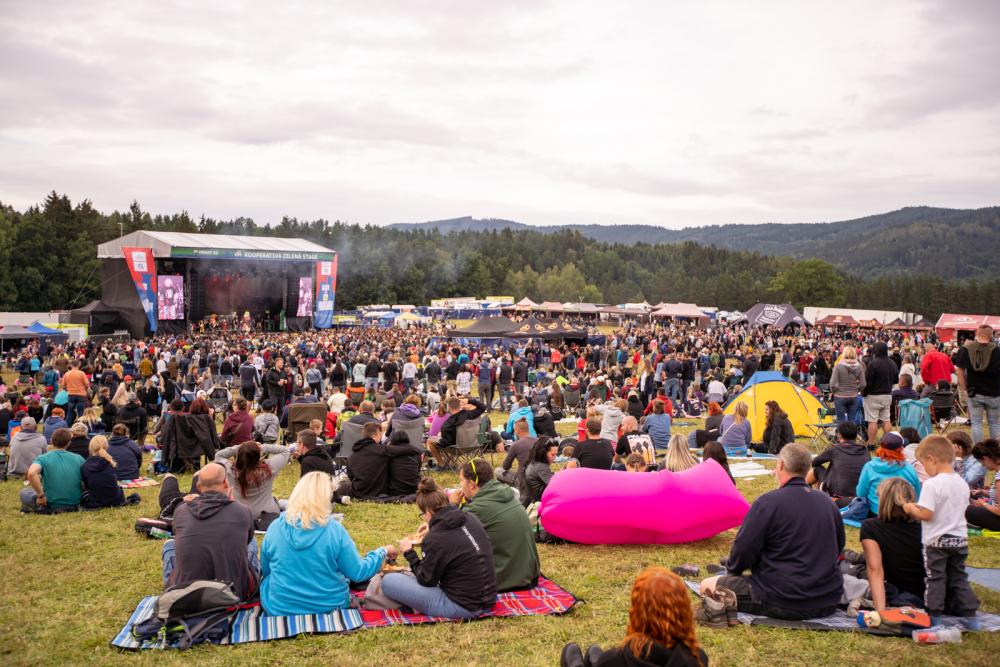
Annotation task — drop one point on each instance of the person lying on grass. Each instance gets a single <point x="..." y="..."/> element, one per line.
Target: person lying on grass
<point x="660" y="628"/>
<point x="308" y="559"/>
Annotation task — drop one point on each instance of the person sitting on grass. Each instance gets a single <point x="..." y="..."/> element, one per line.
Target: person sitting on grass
<point x="251" y="476"/>
<point x="984" y="509"/>
<point x="213" y="534"/>
<point x="518" y="450"/>
<point x="941" y="509"/>
<point x="126" y="453"/>
<point x="657" y="425"/>
<point x="660" y="628"/>
<point x="266" y="424"/>
<point x="497" y="506"/>
<point x="966" y="465"/>
<point x="715" y="451"/>
<point x="790" y="540"/>
<point x="312" y="455"/>
<point x="25" y="447"/>
<point x="838" y="468"/>
<point x="889" y="462"/>
<point x="678" y="455"/>
<point x="736" y="431"/>
<point x="52" y="422"/>
<point x="239" y="424"/>
<point x="100" y="482"/>
<point x="456" y="577"/>
<point x="594" y="452"/>
<point x="894" y="559"/>
<point x="308" y="559"/>
<point x="80" y="444"/>
<point x="54" y="479"/>
<point x="636" y="463"/>
<point x="538" y="472"/>
<point x="778" y="430"/>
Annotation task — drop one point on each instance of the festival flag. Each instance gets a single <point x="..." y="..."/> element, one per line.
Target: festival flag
<point x="143" y="269"/>
<point x="326" y="293"/>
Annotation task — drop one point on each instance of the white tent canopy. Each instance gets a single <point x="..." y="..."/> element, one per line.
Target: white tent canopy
<point x="167" y="244"/>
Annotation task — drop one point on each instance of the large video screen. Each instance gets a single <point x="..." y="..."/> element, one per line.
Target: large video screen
<point x="305" y="298"/>
<point x="170" y="297"/>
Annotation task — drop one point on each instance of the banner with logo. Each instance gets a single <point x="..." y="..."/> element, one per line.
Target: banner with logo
<point x="326" y="292"/>
<point x="305" y="298"/>
<point x="143" y="269"/>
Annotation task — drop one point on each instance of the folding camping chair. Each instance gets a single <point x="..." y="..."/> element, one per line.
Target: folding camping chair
<point x="916" y="413"/>
<point x="571" y="397"/>
<point x="945" y="409"/>
<point x="356" y="394"/>
<point x="824" y="432"/>
<point x="299" y="416"/>
<point x="468" y="445"/>
<point x="351" y="433"/>
<point x="414" y="430"/>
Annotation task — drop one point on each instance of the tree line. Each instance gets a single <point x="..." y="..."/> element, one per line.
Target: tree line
<point x="48" y="262"/>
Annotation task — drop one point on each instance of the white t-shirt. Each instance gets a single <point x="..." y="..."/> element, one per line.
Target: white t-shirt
<point x="947" y="495"/>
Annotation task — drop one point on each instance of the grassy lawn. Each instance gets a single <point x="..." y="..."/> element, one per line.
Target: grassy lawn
<point x="70" y="582"/>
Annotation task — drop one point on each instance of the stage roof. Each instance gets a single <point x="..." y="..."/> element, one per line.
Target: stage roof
<point x="216" y="246"/>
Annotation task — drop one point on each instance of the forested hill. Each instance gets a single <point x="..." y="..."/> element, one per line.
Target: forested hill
<point x="48" y="261"/>
<point x="947" y="243"/>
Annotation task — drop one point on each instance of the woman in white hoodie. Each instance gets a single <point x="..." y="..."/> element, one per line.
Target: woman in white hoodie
<point x="612" y="413"/>
<point x="847" y="383"/>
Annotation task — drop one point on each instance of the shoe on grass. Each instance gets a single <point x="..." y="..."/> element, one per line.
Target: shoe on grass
<point x="686" y="570"/>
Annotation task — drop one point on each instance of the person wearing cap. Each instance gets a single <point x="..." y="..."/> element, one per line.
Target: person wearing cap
<point x="889" y="462"/>
<point x="56" y="419"/>
<point x="25" y="446"/>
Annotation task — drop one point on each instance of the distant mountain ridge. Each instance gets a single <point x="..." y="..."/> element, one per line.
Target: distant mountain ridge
<point x="948" y="243"/>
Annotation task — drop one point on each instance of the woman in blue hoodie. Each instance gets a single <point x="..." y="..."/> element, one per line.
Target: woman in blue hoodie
<point x="521" y="411"/>
<point x="308" y="559"/>
<point x="126" y="453"/>
<point x="889" y="462"/>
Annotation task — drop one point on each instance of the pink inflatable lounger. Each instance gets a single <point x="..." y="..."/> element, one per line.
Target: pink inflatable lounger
<point x="610" y="507"/>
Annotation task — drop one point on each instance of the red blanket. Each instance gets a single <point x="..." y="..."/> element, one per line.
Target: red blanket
<point x="546" y="598"/>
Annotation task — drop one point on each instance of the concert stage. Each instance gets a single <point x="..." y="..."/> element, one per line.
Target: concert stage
<point x="167" y="281"/>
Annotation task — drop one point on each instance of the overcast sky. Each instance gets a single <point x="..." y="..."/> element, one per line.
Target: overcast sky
<point x="665" y="113"/>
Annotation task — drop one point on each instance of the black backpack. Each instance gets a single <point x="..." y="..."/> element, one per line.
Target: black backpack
<point x="197" y="612"/>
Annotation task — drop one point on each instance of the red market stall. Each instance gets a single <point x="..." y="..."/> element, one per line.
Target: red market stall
<point x="949" y="324"/>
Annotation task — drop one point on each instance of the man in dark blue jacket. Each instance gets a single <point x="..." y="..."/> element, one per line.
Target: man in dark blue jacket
<point x="790" y="541"/>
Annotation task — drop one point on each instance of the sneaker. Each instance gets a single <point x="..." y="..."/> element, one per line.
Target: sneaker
<point x="712" y="612"/>
<point x="686" y="570"/>
<point x="728" y="598"/>
<point x="712" y="568"/>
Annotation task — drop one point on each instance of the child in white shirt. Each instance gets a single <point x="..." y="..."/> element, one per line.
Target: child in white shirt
<point x="941" y="507"/>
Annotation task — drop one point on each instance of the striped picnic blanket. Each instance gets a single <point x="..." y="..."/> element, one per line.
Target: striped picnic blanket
<point x="252" y="624"/>
<point x="138" y="483"/>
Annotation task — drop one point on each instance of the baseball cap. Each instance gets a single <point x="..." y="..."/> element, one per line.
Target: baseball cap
<point x="892" y="440"/>
<point x="28" y="423"/>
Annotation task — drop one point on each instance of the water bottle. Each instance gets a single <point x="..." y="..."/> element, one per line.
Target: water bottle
<point x="939" y="634"/>
<point x="159" y="534"/>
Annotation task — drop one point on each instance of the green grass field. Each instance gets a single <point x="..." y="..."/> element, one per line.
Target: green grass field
<point x="70" y="582"/>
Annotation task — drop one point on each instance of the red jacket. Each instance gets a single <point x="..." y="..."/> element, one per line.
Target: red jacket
<point x="936" y="366"/>
<point x="237" y="429"/>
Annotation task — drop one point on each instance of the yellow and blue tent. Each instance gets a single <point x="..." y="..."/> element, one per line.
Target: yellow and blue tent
<point x="802" y="407"/>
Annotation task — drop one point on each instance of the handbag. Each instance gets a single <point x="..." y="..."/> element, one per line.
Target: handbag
<point x="375" y="599"/>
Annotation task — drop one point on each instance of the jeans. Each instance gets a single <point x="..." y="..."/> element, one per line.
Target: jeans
<point x="990" y="405"/>
<point x="672" y="388"/>
<point x="170" y="560"/>
<point x="28" y="504"/>
<point x="429" y="600"/>
<point x="848" y="409"/>
<point x="74" y="408"/>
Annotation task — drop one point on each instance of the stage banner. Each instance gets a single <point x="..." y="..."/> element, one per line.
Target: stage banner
<point x="326" y="292"/>
<point x="170" y="297"/>
<point x="143" y="269"/>
<point x="305" y="298"/>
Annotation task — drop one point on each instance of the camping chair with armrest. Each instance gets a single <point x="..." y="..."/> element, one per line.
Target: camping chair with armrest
<point x="414" y="430"/>
<point x="350" y="434"/>
<point x="944" y="409"/>
<point x="467" y="445"/>
<point x="299" y="416"/>
<point x="356" y="394"/>
<point x="571" y="397"/>
<point x="220" y="398"/>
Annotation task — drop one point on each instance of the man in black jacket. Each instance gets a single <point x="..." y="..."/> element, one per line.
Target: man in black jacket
<point x="880" y="375"/>
<point x="790" y="541"/>
<point x="213" y="537"/>
<point x="594" y="452"/>
<point x="843" y="463"/>
<point x="249" y="380"/>
<point x="369" y="464"/>
<point x="313" y="456"/>
<point x="460" y="410"/>
<point x="520" y="371"/>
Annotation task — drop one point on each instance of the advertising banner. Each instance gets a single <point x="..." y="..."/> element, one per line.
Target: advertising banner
<point x="143" y="269"/>
<point x="326" y="292"/>
<point x="305" y="298"/>
<point x="170" y="297"/>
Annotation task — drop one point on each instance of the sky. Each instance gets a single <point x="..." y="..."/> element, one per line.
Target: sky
<point x="666" y="113"/>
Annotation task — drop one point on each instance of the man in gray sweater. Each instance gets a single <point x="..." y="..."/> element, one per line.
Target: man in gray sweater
<point x="25" y="446"/>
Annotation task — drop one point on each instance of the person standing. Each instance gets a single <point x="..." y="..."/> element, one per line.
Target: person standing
<point x="880" y="376"/>
<point x="76" y="384"/>
<point x="978" y="370"/>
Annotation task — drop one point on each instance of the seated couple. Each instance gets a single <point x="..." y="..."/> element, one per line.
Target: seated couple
<point x="61" y="481"/>
<point x="377" y="469"/>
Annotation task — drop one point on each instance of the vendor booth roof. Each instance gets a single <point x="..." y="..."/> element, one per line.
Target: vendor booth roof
<point x="488" y="326"/>
<point x="535" y="328"/>
<point x="778" y="315"/>
<point x="550" y="307"/>
<point x="679" y="310"/>
<point x="42" y="330"/>
<point x="838" y="321"/>
<point x="14" y="331"/>
<point x="967" y="322"/>
<point x="179" y="244"/>
<point x="525" y="304"/>
<point x="896" y="324"/>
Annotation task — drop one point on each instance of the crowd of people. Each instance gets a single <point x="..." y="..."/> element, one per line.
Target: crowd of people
<point x="394" y="402"/>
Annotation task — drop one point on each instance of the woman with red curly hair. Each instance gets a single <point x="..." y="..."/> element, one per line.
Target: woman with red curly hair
<point x="660" y="628"/>
<point x="889" y="462"/>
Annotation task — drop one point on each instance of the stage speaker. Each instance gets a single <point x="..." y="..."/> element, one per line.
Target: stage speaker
<point x="291" y="295"/>
<point x="196" y="296"/>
